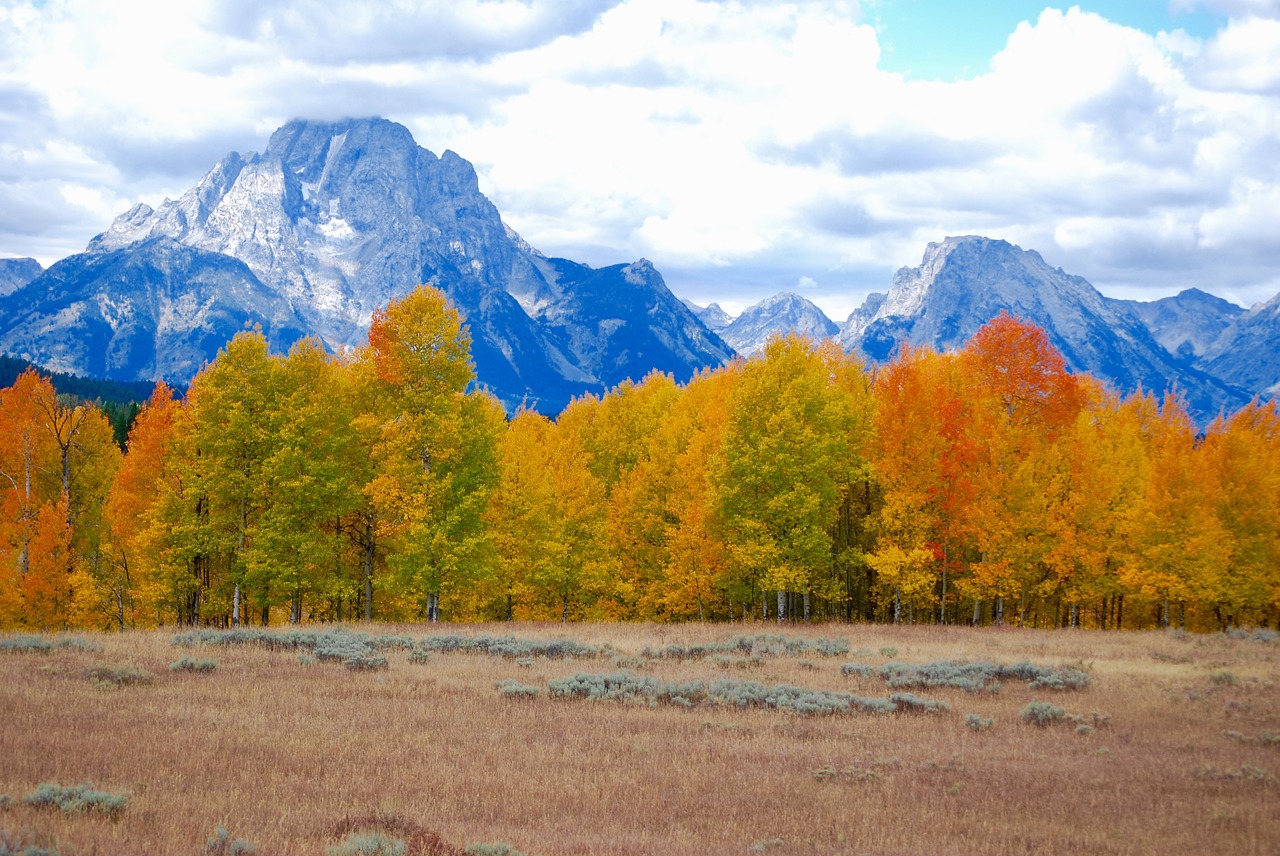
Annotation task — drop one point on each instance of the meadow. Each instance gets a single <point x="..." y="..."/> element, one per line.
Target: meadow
<point x="640" y="739"/>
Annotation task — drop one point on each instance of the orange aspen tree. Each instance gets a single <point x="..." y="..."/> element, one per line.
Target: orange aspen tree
<point x="924" y="455"/>
<point x="28" y="463"/>
<point x="1022" y="401"/>
<point x="134" y="493"/>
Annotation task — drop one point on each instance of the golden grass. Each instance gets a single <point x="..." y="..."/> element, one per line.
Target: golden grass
<point x="283" y="754"/>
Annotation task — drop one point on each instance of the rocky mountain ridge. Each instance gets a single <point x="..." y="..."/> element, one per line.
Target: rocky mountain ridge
<point x="1217" y="354"/>
<point x="328" y="223"/>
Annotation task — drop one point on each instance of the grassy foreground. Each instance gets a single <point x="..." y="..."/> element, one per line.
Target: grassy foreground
<point x="1173" y="746"/>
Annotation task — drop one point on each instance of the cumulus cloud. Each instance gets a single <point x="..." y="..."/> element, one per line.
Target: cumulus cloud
<point x="745" y="147"/>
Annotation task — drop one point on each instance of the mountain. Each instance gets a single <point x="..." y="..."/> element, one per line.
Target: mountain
<point x="15" y="273"/>
<point x="963" y="282"/>
<point x="327" y="224"/>
<point x="715" y="318"/>
<point x="783" y="313"/>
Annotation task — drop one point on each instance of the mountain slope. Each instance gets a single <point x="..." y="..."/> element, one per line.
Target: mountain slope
<point x="1187" y="324"/>
<point x="963" y="282"/>
<point x="1247" y="353"/>
<point x="158" y="309"/>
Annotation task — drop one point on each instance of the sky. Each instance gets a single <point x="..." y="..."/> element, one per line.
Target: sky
<point x="745" y="148"/>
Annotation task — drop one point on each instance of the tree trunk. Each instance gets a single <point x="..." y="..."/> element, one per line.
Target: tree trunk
<point x="942" y="610"/>
<point x="806" y="607"/>
<point x="235" y="607"/>
<point x="433" y="607"/>
<point x="977" y="612"/>
<point x="897" y="605"/>
<point x="999" y="618"/>
<point x="367" y="569"/>
<point x="782" y="606"/>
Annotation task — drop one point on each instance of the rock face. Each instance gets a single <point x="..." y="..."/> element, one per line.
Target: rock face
<point x="778" y="315"/>
<point x="964" y="282"/>
<point x="15" y="273"/>
<point x="1247" y="353"/>
<point x="333" y="220"/>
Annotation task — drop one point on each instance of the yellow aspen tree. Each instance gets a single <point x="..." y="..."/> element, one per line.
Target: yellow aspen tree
<point x="435" y="456"/>
<point x="235" y="430"/>
<point x="1179" y="547"/>
<point x="684" y="448"/>
<point x="777" y="475"/>
<point x="520" y="515"/>
<point x="1241" y="455"/>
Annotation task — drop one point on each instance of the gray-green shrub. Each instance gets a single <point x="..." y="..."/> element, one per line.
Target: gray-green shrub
<point x="77" y="798"/>
<point x="25" y="643"/>
<point x="1042" y="714"/>
<point x="15" y="844"/>
<point x="369" y="844"/>
<point x="111" y="677"/>
<point x="977" y="723"/>
<point x="912" y="703"/>
<point x="514" y="689"/>
<point x="191" y="664"/>
<point x="977" y="676"/>
<point x="627" y="686"/>
<point x="222" y="844"/>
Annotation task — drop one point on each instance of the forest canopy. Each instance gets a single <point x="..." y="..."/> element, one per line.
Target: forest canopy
<point x="989" y="485"/>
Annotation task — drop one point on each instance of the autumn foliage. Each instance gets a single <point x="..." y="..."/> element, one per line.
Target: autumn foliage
<point x="985" y="486"/>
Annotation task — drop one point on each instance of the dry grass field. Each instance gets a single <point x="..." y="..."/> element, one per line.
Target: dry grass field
<point x="1172" y="747"/>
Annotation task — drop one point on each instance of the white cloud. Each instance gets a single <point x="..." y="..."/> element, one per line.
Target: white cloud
<point x="740" y="146"/>
<point x="1244" y="57"/>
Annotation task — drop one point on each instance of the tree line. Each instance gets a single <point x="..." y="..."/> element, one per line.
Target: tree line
<point x="989" y="485"/>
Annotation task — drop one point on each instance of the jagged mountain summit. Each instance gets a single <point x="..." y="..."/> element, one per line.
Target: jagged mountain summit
<point x="778" y="315"/>
<point x="328" y="223"/>
<point x="963" y="282"/>
<point x="714" y="317"/>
